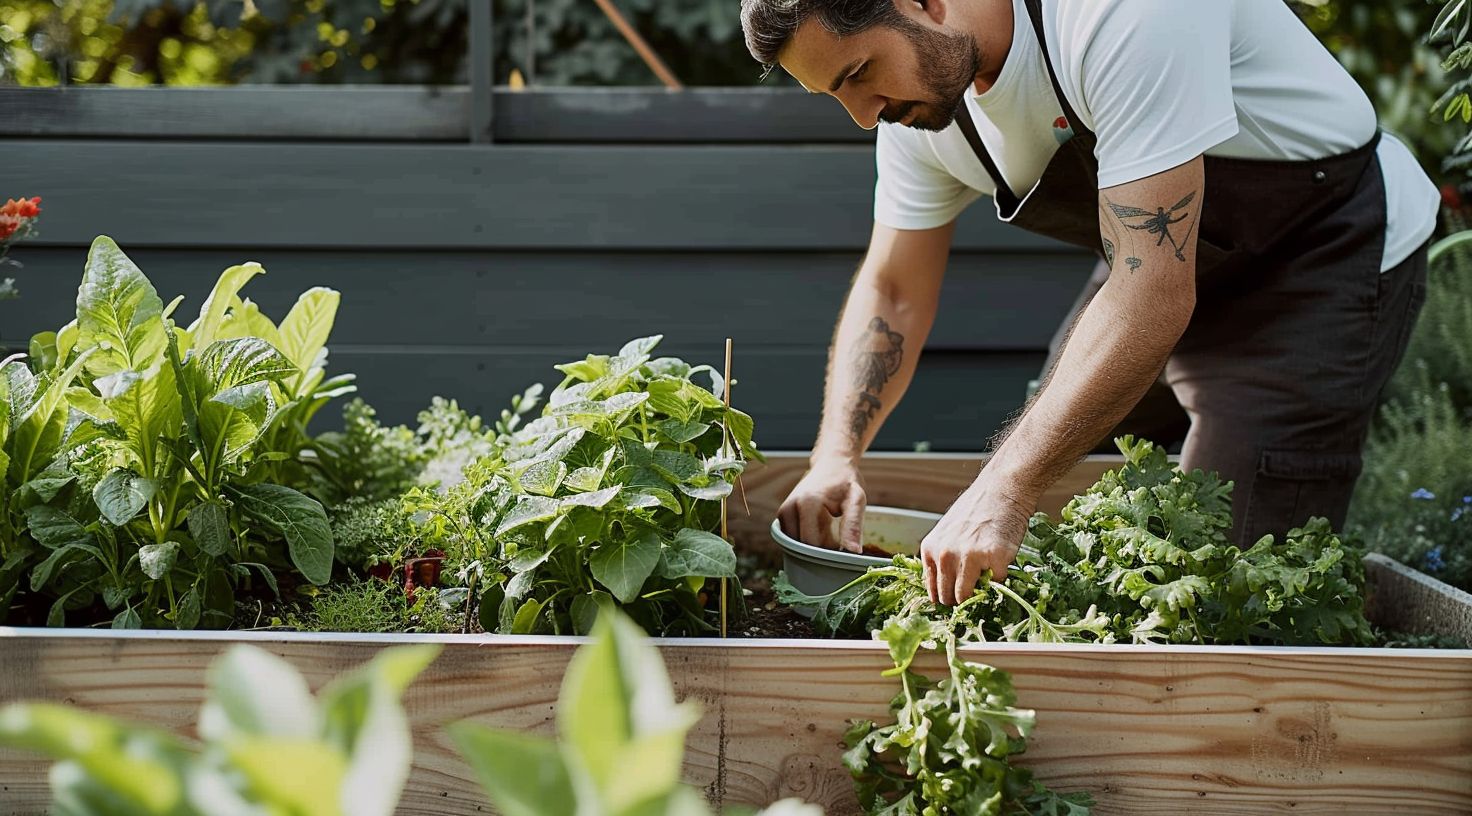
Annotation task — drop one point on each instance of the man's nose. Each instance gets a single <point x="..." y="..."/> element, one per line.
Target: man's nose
<point x="864" y="108"/>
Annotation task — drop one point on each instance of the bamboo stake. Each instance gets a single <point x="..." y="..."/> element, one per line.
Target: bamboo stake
<point x="645" y="52"/>
<point x="725" y="442"/>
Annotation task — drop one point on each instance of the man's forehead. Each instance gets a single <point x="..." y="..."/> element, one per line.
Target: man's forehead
<point x="814" y="53"/>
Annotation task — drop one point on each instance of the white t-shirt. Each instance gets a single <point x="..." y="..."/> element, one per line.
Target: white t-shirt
<point x="1159" y="82"/>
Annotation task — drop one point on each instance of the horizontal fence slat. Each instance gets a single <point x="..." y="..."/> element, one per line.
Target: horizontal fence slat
<point x="352" y="113"/>
<point x="433" y="113"/>
<point x="1001" y="302"/>
<point x="262" y="195"/>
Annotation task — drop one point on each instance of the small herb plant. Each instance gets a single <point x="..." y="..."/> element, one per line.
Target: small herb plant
<point x="147" y="465"/>
<point x="268" y="745"/>
<point x="950" y="746"/>
<point x="610" y="497"/>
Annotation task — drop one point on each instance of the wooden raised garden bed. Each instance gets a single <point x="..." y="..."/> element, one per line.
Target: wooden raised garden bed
<point x="1221" y="730"/>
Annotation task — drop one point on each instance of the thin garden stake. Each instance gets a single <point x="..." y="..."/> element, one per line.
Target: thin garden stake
<point x="725" y="441"/>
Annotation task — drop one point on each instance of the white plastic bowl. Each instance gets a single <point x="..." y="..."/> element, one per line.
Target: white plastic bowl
<point x="819" y="571"/>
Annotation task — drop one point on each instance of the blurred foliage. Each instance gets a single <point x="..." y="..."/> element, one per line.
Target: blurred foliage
<point x="1383" y="46"/>
<point x="548" y="42"/>
<point x="212" y="42"/>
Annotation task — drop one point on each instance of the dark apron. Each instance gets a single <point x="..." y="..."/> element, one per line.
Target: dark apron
<point x="1288" y="272"/>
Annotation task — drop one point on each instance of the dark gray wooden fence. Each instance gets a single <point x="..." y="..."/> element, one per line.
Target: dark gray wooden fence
<point x="468" y="270"/>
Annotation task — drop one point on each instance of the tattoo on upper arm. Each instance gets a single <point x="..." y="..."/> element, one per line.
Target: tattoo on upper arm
<point x="1109" y="252"/>
<point x="877" y="359"/>
<point x="1160" y="223"/>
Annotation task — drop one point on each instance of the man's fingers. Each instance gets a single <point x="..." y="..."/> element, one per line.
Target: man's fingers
<point x="787" y="518"/>
<point x="930" y="585"/>
<point x="810" y="523"/>
<point x="966" y="577"/>
<point x="852" y="538"/>
<point x="945" y="576"/>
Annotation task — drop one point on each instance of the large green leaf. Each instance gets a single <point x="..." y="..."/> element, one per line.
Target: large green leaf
<point x="253" y="693"/>
<point x="239" y="361"/>
<point x="206" y="329"/>
<point x="700" y="554"/>
<point x="522" y="774"/>
<point x="122" y="494"/>
<point x="209" y="524"/>
<point x="363" y="719"/>
<point x="38" y="415"/>
<point x="134" y="766"/>
<point x="150" y="412"/>
<point x="624" y="565"/>
<point x="618" y="718"/>
<point x="245" y="320"/>
<point x="301" y="520"/>
<point x="304" y="332"/>
<point x="54" y="528"/>
<point x="157" y="560"/>
<point x="299" y="777"/>
<point x="118" y="313"/>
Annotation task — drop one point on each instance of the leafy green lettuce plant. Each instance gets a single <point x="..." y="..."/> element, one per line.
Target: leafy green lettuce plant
<point x="267" y="745"/>
<point x="1141" y="556"/>
<point x="146" y="461"/>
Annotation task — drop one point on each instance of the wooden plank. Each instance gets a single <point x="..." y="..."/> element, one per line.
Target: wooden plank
<point x="917" y="481"/>
<point x="525" y="298"/>
<point x="1405" y="600"/>
<point x="342" y="112"/>
<point x="655" y="116"/>
<point x="192" y="194"/>
<point x="356" y="113"/>
<point x="1147" y="730"/>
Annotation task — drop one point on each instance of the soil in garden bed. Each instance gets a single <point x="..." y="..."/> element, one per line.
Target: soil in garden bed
<point x="766" y="617"/>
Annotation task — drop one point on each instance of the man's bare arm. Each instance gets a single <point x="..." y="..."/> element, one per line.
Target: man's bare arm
<point x="890" y="309"/>
<point x="889" y="312"/>
<point x="1126" y="334"/>
<point x="1116" y="350"/>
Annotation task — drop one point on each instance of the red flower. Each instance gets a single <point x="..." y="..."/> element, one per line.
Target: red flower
<point x="17" y="213"/>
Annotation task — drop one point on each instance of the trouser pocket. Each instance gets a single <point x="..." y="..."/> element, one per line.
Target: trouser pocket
<point x="1290" y="487"/>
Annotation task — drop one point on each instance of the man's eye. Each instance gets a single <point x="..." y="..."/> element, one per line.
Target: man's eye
<point x="859" y="74"/>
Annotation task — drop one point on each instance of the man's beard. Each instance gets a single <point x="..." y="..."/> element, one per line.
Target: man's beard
<point x="949" y="63"/>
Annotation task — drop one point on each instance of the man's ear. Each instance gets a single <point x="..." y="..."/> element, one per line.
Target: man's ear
<point x="933" y="10"/>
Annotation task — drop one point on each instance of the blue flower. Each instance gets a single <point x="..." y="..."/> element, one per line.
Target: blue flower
<point x="1458" y="512"/>
<point x="1422" y="494"/>
<point x="1467" y="500"/>
<point x="1434" y="562"/>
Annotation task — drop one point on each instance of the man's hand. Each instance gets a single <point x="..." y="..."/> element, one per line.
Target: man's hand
<point x="980" y="532"/>
<point x="831" y="489"/>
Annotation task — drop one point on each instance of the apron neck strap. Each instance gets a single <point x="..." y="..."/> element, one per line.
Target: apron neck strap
<point x="1035" y="12"/>
<point x="1007" y="201"/>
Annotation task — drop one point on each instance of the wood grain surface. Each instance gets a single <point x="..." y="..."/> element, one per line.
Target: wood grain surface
<point x="1147" y="730"/>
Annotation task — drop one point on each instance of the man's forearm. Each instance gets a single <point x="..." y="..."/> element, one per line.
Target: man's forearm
<point x="870" y="364"/>
<point x="1109" y="362"/>
<point x="1125" y="335"/>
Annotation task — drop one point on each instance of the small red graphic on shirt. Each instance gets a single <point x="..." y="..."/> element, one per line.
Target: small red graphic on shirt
<point x="1062" y="131"/>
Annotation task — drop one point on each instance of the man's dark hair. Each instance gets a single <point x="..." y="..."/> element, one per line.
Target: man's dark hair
<point x="769" y="24"/>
